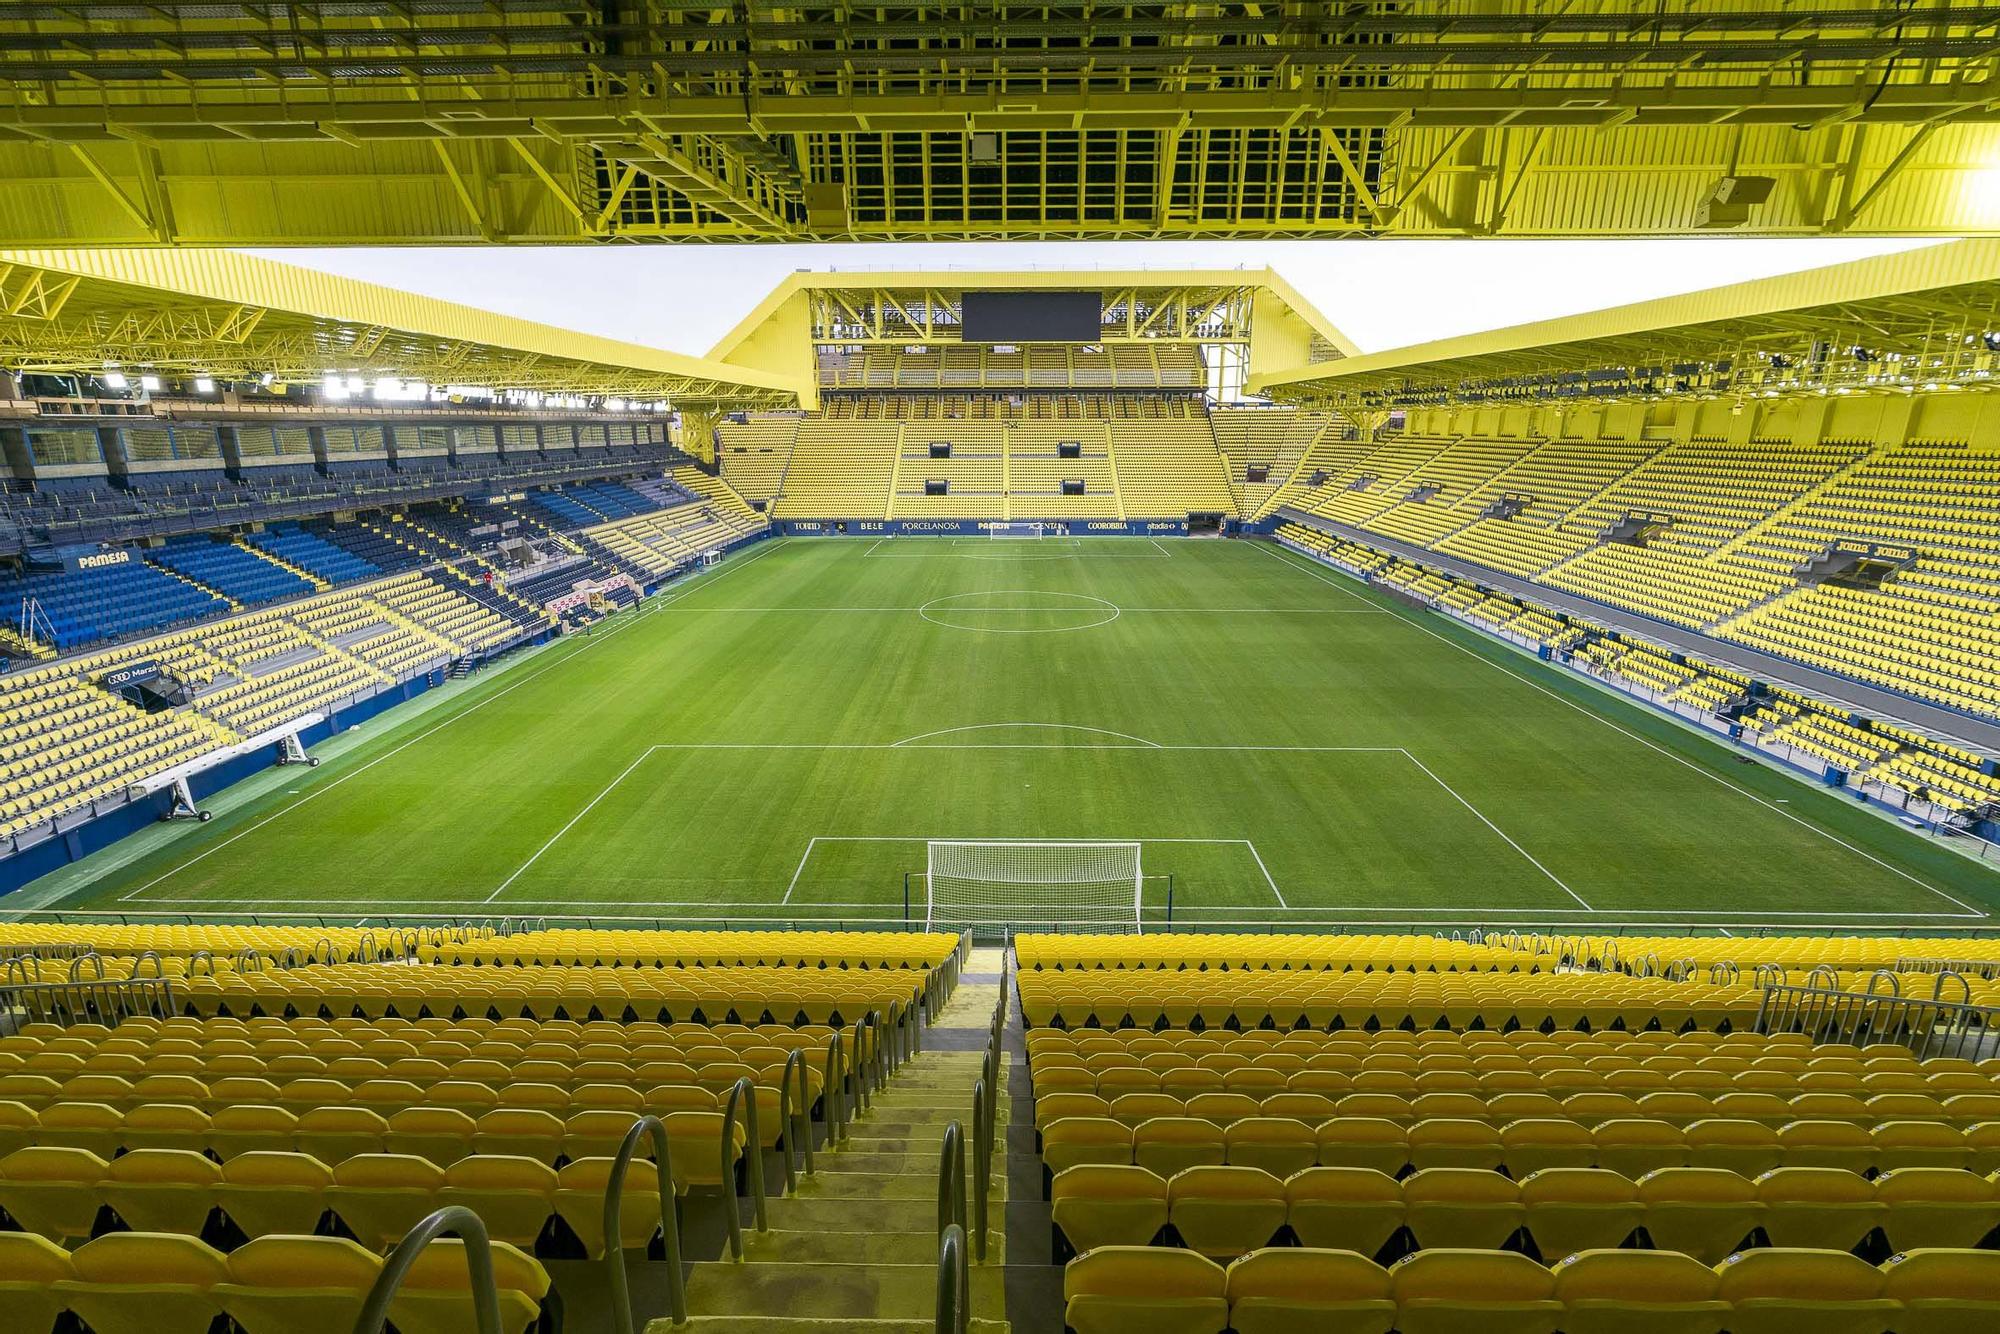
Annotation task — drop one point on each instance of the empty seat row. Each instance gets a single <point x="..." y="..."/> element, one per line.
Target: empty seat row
<point x="1633" y="1144"/>
<point x="150" y="1283"/>
<point x="1120" y="1290"/>
<point x="72" y="1195"/>
<point x="1704" y="1212"/>
<point x="436" y="1128"/>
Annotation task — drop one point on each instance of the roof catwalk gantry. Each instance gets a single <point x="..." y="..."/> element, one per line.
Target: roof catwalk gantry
<point x="585" y="120"/>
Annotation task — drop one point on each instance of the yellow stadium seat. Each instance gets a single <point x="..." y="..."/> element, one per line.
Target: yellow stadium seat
<point x="145" y="1283"/>
<point x="1900" y="1144"/>
<point x="1944" y="1291"/>
<point x="1361" y="1141"/>
<point x="30" y="1267"/>
<point x="165" y="1126"/>
<point x="332" y="1134"/>
<point x="521" y="1132"/>
<point x="1276" y="1144"/>
<point x="579" y="1201"/>
<point x="1076" y="1140"/>
<point x="1785" y="1291"/>
<point x="297" y="1285"/>
<point x="94" y="1126"/>
<point x="1540" y="1142"/>
<point x="1461" y="1207"/>
<point x="1570" y="1209"/>
<point x="1637" y="1145"/>
<point x="514" y="1197"/>
<point x="1705" y="1212"/>
<point x="1108" y="1205"/>
<point x="441" y="1134"/>
<point x="1817" y="1207"/>
<point x="1225" y="1211"/>
<point x="1455" y="1142"/>
<point x="1840" y="1144"/>
<point x="1637" y="1292"/>
<point x="52" y="1190"/>
<point x="1748" y="1147"/>
<point x="436" y="1293"/>
<point x="251" y="1129"/>
<point x="380" y="1196"/>
<point x="1344" y="1208"/>
<point x="161" y="1190"/>
<point x="1293" y="1291"/>
<point x="1144" y="1290"/>
<point x="1451" y="1291"/>
<point x="1169" y="1144"/>
<point x="1934" y="1207"/>
<point x="266" y="1193"/>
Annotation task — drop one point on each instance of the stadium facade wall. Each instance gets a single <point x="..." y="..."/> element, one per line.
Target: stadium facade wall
<point x="1734" y="735"/>
<point x="950" y="527"/>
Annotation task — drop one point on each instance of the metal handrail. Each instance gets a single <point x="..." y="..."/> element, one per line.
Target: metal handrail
<point x="1986" y="968"/>
<point x="951" y="1178"/>
<point x="1930" y="1028"/>
<point x="455" y="1218"/>
<point x="744" y="1094"/>
<point x="1884" y="975"/>
<point x="96" y="962"/>
<point x="649" y="1127"/>
<point x="982" y="1161"/>
<point x="834" y="1093"/>
<point x="954" y="1284"/>
<point x="794" y="1116"/>
<point x="110" y="1001"/>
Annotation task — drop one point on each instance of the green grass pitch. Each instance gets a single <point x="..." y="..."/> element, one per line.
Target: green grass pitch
<point x="775" y="740"/>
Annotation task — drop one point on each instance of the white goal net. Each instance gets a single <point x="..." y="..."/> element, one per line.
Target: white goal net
<point x="1015" y="530"/>
<point x="1038" y="886"/>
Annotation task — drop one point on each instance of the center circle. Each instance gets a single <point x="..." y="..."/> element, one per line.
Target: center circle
<point x="1019" y="611"/>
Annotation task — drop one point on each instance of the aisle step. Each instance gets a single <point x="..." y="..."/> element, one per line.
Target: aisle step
<point x="918" y="1159"/>
<point x="855" y="1291"/>
<point x="874" y="1186"/>
<point x="914" y="1246"/>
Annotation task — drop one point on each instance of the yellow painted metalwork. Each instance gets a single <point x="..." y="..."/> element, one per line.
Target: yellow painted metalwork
<point x="234" y="315"/>
<point x="187" y="122"/>
<point x="1919" y="321"/>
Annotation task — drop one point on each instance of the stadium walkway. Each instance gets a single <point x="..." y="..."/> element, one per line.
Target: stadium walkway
<point x="856" y="1247"/>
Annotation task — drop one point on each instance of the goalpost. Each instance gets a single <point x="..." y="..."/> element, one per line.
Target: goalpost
<point x="1038" y="885"/>
<point x="1002" y="528"/>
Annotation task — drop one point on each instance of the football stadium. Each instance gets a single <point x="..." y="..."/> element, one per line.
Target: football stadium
<point x="1044" y="785"/>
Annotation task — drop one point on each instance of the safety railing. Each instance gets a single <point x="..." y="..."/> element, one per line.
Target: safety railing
<point x="44" y="949"/>
<point x="795" y="1117"/>
<point x="452" y="1220"/>
<point x="1930" y="1027"/>
<point x="653" y="1130"/>
<point x="107" y="1001"/>
<point x="835" y="1090"/>
<point x="743" y="1098"/>
<point x="1986" y="968"/>
<point x="954" y="1283"/>
<point x="951" y="1178"/>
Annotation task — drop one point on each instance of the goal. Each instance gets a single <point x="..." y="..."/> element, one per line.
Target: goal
<point x="1033" y="885"/>
<point x="1004" y="529"/>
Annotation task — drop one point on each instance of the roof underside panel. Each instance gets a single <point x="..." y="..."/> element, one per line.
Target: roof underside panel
<point x="572" y="120"/>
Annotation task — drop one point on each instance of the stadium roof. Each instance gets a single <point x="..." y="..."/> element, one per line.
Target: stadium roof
<point x="237" y="316"/>
<point x="1920" y="319"/>
<point x="544" y="121"/>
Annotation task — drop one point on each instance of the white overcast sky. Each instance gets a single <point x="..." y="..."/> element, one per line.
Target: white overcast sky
<point x="1382" y="294"/>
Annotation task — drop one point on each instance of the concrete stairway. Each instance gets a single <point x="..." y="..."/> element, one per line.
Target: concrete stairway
<point x="855" y="1248"/>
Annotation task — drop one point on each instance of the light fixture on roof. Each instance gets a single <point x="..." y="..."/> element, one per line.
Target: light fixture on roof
<point x="150" y="383"/>
<point x="114" y="379"/>
<point x="204" y="385"/>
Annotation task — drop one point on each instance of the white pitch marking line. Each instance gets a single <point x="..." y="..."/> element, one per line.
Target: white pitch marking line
<point x="800" y="870"/>
<point x="588" y="807"/>
<point x="589" y="641"/>
<point x="1064" y="727"/>
<point x="1460" y="799"/>
<point x="1679" y="759"/>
